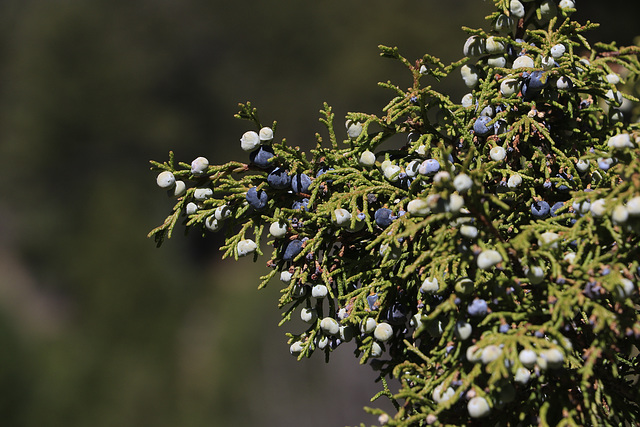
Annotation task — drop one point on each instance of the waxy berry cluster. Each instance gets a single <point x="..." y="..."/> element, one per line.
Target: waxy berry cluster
<point x="491" y="263"/>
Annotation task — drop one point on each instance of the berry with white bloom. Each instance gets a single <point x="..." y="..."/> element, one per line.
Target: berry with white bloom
<point x="494" y="46"/>
<point x="474" y="46"/>
<point x="488" y="258"/>
<point x="246" y="247"/>
<point x="490" y="353"/>
<point x="296" y="348"/>
<point x="553" y="358"/>
<point x="626" y="288"/>
<point x="535" y="274"/>
<point x="429" y="286"/>
<point x="470" y="75"/>
<point x="516" y="8"/>
<point x="467" y="100"/>
<point x="469" y="231"/>
<point x="522" y="375"/>
<point x="523" y="61"/>
<point x="440" y="397"/>
<point x="504" y="24"/>
<point x="383" y="332"/>
<point x="391" y="172"/>
<point x="478" y="407"/>
<point x="211" y="223"/>
<point x="191" y="208"/>
<point x="418" y="207"/>
<point x="178" y="189"/>
<point x="620" y="214"/>
<point x="558" y="50"/>
<point x="564" y="83"/>
<point x="330" y="326"/>
<point x="463" y="330"/>
<point x="498" y="153"/>
<point x="308" y="315"/>
<point x="429" y="167"/>
<point x="582" y="165"/>
<point x="548" y="10"/>
<point x="509" y="87"/>
<point x="199" y="165"/>
<point x="527" y="358"/>
<point x="473" y="354"/>
<point x="321" y="342"/>
<point x="633" y="206"/>
<point x="614" y="97"/>
<point x="368" y="325"/>
<point x="376" y="350"/>
<point x="166" y="180"/>
<point x="266" y="134"/>
<point x="202" y="193"/>
<point x="319" y="291"/>
<point x="549" y="238"/>
<point x="354" y="129"/>
<point x="367" y="158"/>
<point x="612" y="79"/>
<point x="567" y="4"/>
<point x="462" y="182"/>
<point x="514" y="181"/>
<point x="285" y="276"/>
<point x="481" y="126"/>
<point x="278" y="229"/>
<point x="598" y="208"/>
<point x="342" y="217"/>
<point x="250" y="140"/>
<point x="620" y="141"/>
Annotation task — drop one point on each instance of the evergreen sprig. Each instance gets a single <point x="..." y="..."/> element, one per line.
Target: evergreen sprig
<point x="490" y="264"/>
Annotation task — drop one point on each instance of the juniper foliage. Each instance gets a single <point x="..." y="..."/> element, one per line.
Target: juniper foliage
<point x="491" y="264"/>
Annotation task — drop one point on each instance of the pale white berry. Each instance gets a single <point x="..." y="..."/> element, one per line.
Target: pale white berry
<point x="222" y="212"/>
<point x="456" y="202"/>
<point x="462" y="182"/>
<point x="212" y="223"/>
<point x="354" y="129"/>
<point x="463" y="330"/>
<point x="478" y="407"/>
<point x="319" y="291"/>
<point x="285" y="276"/>
<point x="376" y="350"/>
<point x="470" y="75"/>
<point x="383" y="332"/>
<point x="202" y="193"/>
<point x="488" y="258"/>
<point x="620" y="141"/>
<point x="429" y="286"/>
<point x="612" y="79"/>
<point x="412" y="168"/>
<point x="391" y="172"/>
<point x="342" y="217"/>
<point x="296" y="348"/>
<point x="633" y="206"/>
<point x="246" y="247"/>
<point x="494" y="46"/>
<point x="523" y="61"/>
<point x="469" y="231"/>
<point x="330" y="326"/>
<point x="266" y="134"/>
<point x="199" y="165"/>
<point x="626" y="288"/>
<point x="614" y="97"/>
<point x="191" y="208"/>
<point x="567" y="4"/>
<point x="440" y="397"/>
<point x="418" y="207"/>
<point x="308" y="315"/>
<point x="474" y="46"/>
<point x="504" y="24"/>
<point x="598" y="208"/>
<point x="522" y="375"/>
<point x="367" y="158"/>
<point x="553" y="358"/>
<point x="620" y="214"/>
<point x="516" y="8"/>
<point x="179" y="189"/>
<point x="467" y="100"/>
<point x="346" y="333"/>
<point x="321" y="342"/>
<point x="368" y="325"/>
<point x="558" y="50"/>
<point x="278" y="229"/>
<point x="549" y="238"/>
<point x="498" y="153"/>
<point x="165" y="180"/>
<point x="509" y="87"/>
<point x="490" y="353"/>
<point x="250" y="140"/>
<point x="535" y="274"/>
<point x="582" y="165"/>
<point x="474" y="354"/>
<point x="514" y="181"/>
<point x="527" y="357"/>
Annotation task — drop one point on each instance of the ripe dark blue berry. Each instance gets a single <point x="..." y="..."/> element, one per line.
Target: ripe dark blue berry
<point x="383" y="217"/>
<point x="555" y="207"/>
<point x="300" y="183"/>
<point x="371" y="301"/>
<point x="540" y="209"/>
<point x="261" y="156"/>
<point x="300" y="204"/>
<point x="279" y="179"/>
<point x="257" y="199"/>
<point x="293" y="249"/>
<point x="480" y="126"/>
<point x="397" y="313"/>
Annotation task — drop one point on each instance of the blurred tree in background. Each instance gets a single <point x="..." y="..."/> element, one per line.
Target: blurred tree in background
<point x="96" y="327"/>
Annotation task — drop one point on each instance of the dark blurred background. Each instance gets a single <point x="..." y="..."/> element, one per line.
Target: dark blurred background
<point x="97" y="326"/>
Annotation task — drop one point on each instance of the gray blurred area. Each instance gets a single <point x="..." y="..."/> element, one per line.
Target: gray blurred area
<point x="97" y="326"/>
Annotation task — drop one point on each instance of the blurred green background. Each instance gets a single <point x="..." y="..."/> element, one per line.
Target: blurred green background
<point x="97" y="326"/>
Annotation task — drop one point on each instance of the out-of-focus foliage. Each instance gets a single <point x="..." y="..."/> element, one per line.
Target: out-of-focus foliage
<point x="96" y="327"/>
